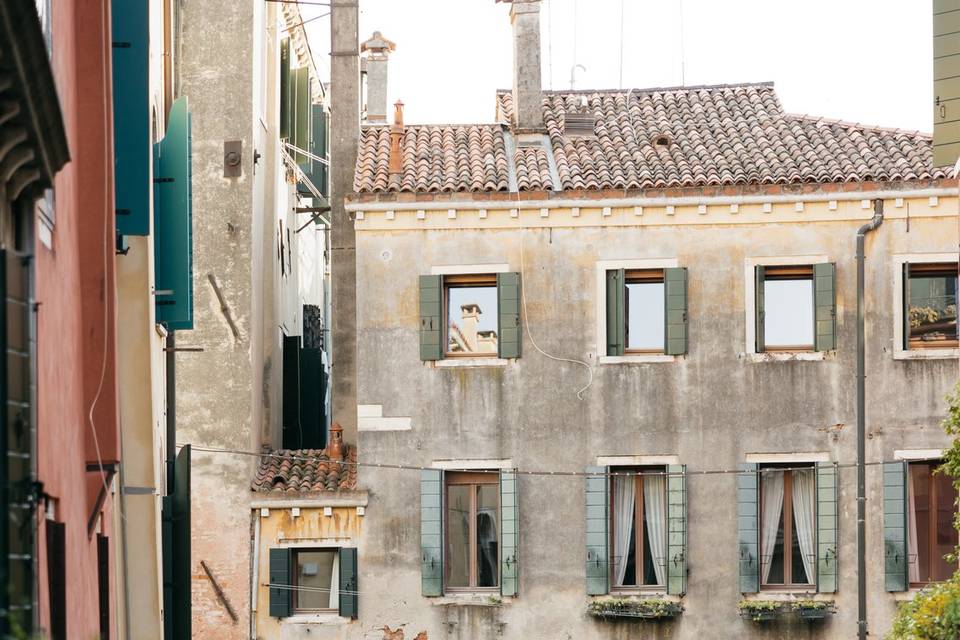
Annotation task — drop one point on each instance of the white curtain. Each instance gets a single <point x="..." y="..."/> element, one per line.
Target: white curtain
<point x="335" y="583"/>
<point x="913" y="551"/>
<point x="804" y="494"/>
<point x="654" y="503"/>
<point x="624" y="496"/>
<point x="772" y="492"/>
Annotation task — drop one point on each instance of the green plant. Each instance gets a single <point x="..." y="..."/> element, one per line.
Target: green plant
<point x="759" y="610"/>
<point x="816" y="605"/>
<point x="649" y="608"/>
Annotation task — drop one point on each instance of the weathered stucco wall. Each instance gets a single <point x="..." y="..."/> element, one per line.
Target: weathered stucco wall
<point x="711" y="408"/>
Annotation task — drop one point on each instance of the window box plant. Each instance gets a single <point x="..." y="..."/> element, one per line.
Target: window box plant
<point x="812" y="609"/>
<point x="759" y="610"/>
<point x="628" y="608"/>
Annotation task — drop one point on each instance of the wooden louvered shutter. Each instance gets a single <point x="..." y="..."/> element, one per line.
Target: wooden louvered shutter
<point x="675" y="291"/>
<point x="312" y="419"/>
<point x="285" y="102"/>
<point x="508" y="311"/>
<point x="946" y="82"/>
<point x="302" y="114"/>
<point x="759" y="276"/>
<point x="827" y="541"/>
<point x="676" y="529"/>
<point x="431" y="317"/>
<point x="509" y="534"/>
<point x="616" y="313"/>
<point x="748" y="501"/>
<point x="57" y="578"/>
<point x="281" y="604"/>
<point x="895" y="525"/>
<point x="906" y="305"/>
<point x="349" y="591"/>
<point x="598" y="521"/>
<point x="825" y="306"/>
<point x="431" y="532"/>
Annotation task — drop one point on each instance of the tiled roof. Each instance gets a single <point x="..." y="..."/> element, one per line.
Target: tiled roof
<point x="305" y="470"/>
<point x="709" y="136"/>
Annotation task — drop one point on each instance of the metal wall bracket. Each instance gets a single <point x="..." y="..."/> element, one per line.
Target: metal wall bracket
<point x="232" y="158"/>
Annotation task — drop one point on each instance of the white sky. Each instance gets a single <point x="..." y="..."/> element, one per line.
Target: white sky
<point x="867" y="61"/>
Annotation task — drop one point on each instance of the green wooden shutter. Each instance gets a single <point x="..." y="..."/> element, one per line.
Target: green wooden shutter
<point x="181" y="545"/>
<point x="312" y="419"/>
<point x="292" y="437"/>
<point x="300" y="130"/>
<point x="946" y="82"/>
<point x="131" y="115"/>
<point x="431" y="320"/>
<point x="508" y="312"/>
<point x="748" y="501"/>
<point x="676" y="529"/>
<point x="906" y="305"/>
<point x="675" y="291"/>
<point x="598" y="519"/>
<point x="349" y="593"/>
<point x="509" y="534"/>
<point x="759" y="275"/>
<point x="173" y="221"/>
<point x="285" y="102"/>
<point x="827" y="542"/>
<point x="431" y="532"/>
<point x="895" y="525"/>
<point x="825" y="306"/>
<point x="318" y="147"/>
<point x="281" y="604"/>
<point x="616" y="313"/>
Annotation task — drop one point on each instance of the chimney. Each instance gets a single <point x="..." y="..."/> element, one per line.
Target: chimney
<point x="378" y="51"/>
<point x="471" y="323"/>
<point x="527" y="99"/>
<point x="396" y="136"/>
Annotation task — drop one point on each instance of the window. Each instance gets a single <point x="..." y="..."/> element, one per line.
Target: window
<point x="638" y="528"/>
<point x="795" y="307"/>
<point x="472" y="531"/>
<point x="315" y="580"/>
<point x="931" y="533"/>
<point x="930" y="299"/>
<point x="646" y="311"/>
<point x="471" y="311"/>
<point x="787" y="527"/>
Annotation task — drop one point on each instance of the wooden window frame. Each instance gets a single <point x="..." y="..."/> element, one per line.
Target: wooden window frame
<point x="639" y="537"/>
<point x="464" y="281"/>
<point x="640" y="276"/>
<point x="930" y="269"/>
<point x="799" y="272"/>
<point x="787" y="515"/>
<point x="473" y="479"/>
<point x="294" y="577"/>
<point x="932" y="522"/>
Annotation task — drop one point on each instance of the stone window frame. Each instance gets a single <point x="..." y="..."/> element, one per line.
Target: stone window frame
<point x="899" y="353"/>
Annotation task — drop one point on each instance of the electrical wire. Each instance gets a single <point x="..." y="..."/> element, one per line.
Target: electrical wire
<point x="307" y="21"/>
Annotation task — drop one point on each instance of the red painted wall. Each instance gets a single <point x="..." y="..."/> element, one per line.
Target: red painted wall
<point x="76" y="331"/>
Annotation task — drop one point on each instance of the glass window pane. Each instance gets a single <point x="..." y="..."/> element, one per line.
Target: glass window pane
<point x="458" y="535"/>
<point x="945" y="539"/>
<point x="314" y="579"/>
<point x="645" y="316"/>
<point x="788" y="313"/>
<point x="488" y="535"/>
<point x="933" y="308"/>
<point x="472" y="319"/>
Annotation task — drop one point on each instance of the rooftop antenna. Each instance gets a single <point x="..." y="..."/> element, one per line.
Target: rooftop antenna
<point x="573" y="69"/>
<point x="573" y="75"/>
<point x="621" y="44"/>
<point x="683" y="56"/>
<point x="550" y="43"/>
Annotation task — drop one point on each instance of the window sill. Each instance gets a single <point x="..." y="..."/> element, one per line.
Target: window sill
<point x="790" y="595"/>
<point x="640" y="595"/>
<point x="469" y="362"/>
<point x="471" y="599"/>
<point x="926" y="354"/>
<point x="638" y="358"/>
<point x="786" y="356"/>
<point x="328" y="619"/>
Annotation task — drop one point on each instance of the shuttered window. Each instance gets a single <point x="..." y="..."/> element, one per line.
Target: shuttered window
<point x="431" y="532"/>
<point x="302" y="124"/>
<point x="313" y="580"/>
<point x="795" y="307"/>
<point x="646" y="311"/>
<point x="895" y="526"/>
<point x="285" y="89"/>
<point x="676" y="529"/>
<point x="597" y="532"/>
<point x="748" y="500"/>
<point x="930" y="305"/>
<point x="349" y="584"/>
<point x="292" y="428"/>
<point x="103" y="584"/>
<point x="946" y="82"/>
<point x="827" y="528"/>
<point x="509" y="535"/>
<point x="280" y="592"/>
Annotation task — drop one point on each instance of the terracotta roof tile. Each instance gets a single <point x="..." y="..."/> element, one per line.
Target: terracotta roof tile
<point x="533" y="169"/>
<point x="305" y="471"/>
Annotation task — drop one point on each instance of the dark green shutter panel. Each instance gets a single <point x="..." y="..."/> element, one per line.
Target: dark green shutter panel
<point x="616" y="313"/>
<point x="825" y="306"/>
<point x="300" y="130"/>
<point x="175" y="529"/>
<point x="285" y="102"/>
<point x="292" y="426"/>
<point x="349" y="592"/>
<point x="173" y="221"/>
<point x="509" y="534"/>
<point x="103" y="584"/>
<point x="431" y="532"/>
<point x="318" y="147"/>
<point x="313" y="422"/>
<point x="598" y="519"/>
<point x="946" y="82"/>
<point x="508" y="311"/>
<point x="895" y="525"/>
<point x="758" y="279"/>
<point x="748" y="500"/>
<point x="906" y="305"/>
<point x="166" y="532"/>
<point x="675" y="290"/>
<point x="431" y="321"/>
<point x="676" y="529"/>
<point x="827" y="543"/>
<point x="131" y="115"/>
<point x="281" y="604"/>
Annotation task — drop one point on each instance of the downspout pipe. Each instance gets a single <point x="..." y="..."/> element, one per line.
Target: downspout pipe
<point x="875" y="222"/>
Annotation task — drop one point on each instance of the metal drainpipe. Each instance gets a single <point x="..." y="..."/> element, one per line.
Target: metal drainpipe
<point x="171" y="409"/>
<point x="875" y="222"/>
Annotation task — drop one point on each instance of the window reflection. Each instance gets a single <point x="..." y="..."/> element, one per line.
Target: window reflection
<point x="933" y="303"/>
<point x="472" y="319"/>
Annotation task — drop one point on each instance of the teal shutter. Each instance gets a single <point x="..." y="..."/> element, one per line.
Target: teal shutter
<point x="906" y="305"/>
<point x="131" y="115"/>
<point x="616" y="313"/>
<point x="318" y="147"/>
<point x="281" y="603"/>
<point x="759" y="276"/>
<point x="313" y="421"/>
<point x="675" y="290"/>
<point x="173" y="221"/>
<point x="508" y="312"/>
<point x="175" y="528"/>
<point x="292" y="434"/>
<point x="349" y="593"/>
<point x="431" y="320"/>
<point x="748" y="500"/>
<point x="431" y="532"/>
<point x="676" y="529"/>
<point x="301" y="125"/>
<point x="827" y="543"/>
<point x="895" y="525"/>
<point x="509" y="534"/>
<point x="825" y="306"/>
<point x="598" y="519"/>
<point x="285" y="103"/>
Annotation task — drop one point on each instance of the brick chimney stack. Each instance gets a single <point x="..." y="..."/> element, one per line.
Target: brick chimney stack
<point x="378" y="50"/>
<point x="396" y="137"/>
<point x="527" y="96"/>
